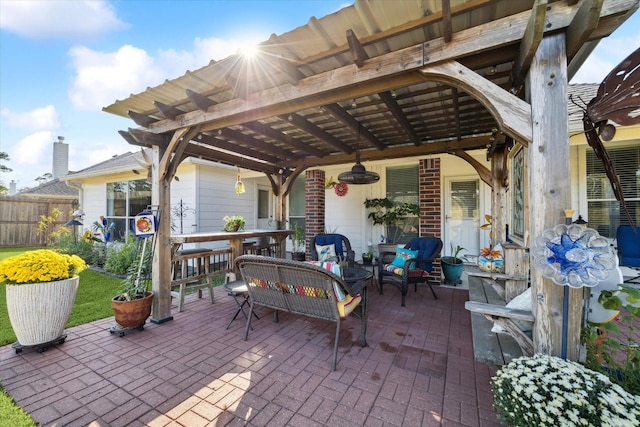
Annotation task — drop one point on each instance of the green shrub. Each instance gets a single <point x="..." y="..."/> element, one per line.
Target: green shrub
<point x="84" y="249"/>
<point x="121" y="256"/>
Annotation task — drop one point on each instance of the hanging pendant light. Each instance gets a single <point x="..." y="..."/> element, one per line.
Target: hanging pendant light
<point x="239" y="185"/>
<point x="358" y="174"/>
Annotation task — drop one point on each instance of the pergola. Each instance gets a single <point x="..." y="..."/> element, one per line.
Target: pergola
<point x="390" y="79"/>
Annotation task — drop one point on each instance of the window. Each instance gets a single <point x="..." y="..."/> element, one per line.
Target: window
<point x="605" y="213"/>
<point x="402" y="187"/>
<point x="297" y="203"/>
<point x="125" y="200"/>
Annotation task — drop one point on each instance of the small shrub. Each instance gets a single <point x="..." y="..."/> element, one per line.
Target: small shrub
<point x="121" y="256"/>
<point x="73" y="246"/>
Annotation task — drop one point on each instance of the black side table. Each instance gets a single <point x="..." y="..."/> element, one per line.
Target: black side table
<point x="370" y="266"/>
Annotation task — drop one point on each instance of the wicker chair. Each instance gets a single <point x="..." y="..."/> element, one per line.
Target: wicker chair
<point x="414" y="269"/>
<point x="342" y="247"/>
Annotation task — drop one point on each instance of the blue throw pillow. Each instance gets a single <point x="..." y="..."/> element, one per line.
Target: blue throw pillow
<point x="402" y="255"/>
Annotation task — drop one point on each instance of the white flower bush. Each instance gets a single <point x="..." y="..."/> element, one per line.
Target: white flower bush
<point x="548" y="391"/>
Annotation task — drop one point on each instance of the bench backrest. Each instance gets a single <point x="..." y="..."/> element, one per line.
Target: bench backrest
<point x="293" y="286"/>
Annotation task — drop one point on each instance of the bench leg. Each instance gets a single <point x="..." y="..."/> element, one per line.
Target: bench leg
<point x="246" y="328"/>
<point x="335" y="346"/>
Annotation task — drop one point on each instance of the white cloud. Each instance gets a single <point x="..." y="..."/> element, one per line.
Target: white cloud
<point x="30" y="151"/>
<point x="44" y="118"/>
<point x="605" y="57"/>
<point x="103" y="77"/>
<point x="75" y="20"/>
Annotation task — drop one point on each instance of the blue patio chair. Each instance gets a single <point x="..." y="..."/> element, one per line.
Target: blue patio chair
<point x="629" y="249"/>
<point x="341" y="248"/>
<point x="409" y="265"/>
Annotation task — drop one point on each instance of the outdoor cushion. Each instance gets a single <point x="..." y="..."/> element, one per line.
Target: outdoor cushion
<point x="331" y="239"/>
<point x="520" y="302"/>
<point x="425" y="248"/>
<point x="402" y="255"/>
<point x="326" y="252"/>
<point x="345" y="302"/>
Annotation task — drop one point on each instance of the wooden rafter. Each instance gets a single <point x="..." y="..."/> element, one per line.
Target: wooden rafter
<point x="583" y="24"/>
<point x="447" y="29"/>
<point x="141" y="119"/>
<point x="530" y="41"/>
<point x="399" y="115"/>
<point x="202" y="102"/>
<point x="167" y="110"/>
<point x="314" y="130"/>
<point x="358" y="54"/>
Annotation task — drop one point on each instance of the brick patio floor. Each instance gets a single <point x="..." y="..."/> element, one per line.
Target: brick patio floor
<point x="417" y="370"/>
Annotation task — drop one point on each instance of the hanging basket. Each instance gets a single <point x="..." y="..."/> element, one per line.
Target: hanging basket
<point x="39" y="312"/>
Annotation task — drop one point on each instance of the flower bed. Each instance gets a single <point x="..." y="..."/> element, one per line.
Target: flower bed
<point x="548" y="391"/>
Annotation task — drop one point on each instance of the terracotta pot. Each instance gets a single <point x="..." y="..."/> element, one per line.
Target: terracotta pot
<point x="132" y="314"/>
<point x="38" y="312"/>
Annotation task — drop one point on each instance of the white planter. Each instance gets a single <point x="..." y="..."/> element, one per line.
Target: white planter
<point x="39" y="311"/>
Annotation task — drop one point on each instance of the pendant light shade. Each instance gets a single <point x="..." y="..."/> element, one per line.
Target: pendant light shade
<point x="358" y="174"/>
<point x="239" y="188"/>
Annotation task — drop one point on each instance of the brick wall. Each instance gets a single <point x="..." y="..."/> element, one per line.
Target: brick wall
<point x="430" y="196"/>
<point x="314" y="205"/>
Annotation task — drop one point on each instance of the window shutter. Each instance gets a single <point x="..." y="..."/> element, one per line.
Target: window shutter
<point x="604" y="211"/>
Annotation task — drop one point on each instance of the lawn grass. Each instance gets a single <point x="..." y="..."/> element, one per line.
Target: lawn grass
<point x="93" y="302"/>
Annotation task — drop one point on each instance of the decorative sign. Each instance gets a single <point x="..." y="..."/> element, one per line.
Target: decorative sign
<point x="518" y="198"/>
<point x="341" y="189"/>
<point x="145" y="224"/>
<point x="573" y="256"/>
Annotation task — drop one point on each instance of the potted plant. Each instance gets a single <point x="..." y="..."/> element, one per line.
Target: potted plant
<point x="453" y="265"/>
<point x="41" y="288"/>
<point x="298" y="241"/>
<point x="367" y="257"/>
<point x="132" y="305"/>
<point x="233" y="223"/>
<point x="396" y="218"/>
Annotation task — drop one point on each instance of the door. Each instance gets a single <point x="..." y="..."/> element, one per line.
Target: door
<point x="462" y="207"/>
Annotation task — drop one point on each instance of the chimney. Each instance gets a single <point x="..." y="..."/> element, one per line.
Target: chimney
<point x="13" y="187"/>
<point x="60" y="158"/>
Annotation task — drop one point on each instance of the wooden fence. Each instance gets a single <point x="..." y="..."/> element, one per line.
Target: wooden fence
<point x="19" y="218"/>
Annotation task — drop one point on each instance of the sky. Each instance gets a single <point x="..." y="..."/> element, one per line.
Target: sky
<point x="62" y="61"/>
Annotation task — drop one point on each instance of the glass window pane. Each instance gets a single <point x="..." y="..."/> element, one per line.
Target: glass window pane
<point x="402" y="187"/>
<point x="296" y="197"/>
<point x="116" y="199"/>
<point x="139" y="196"/>
<point x="263" y="204"/>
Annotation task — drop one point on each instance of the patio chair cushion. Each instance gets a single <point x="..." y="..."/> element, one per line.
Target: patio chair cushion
<point x="520" y="302"/>
<point x="402" y="255"/>
<point x="326" y="252"/>
<point x="330" y="239"/>
<point x="346" y="303"/>
<point x="425" y="248"/>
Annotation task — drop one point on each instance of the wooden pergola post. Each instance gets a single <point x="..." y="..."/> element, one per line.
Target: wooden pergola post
<point x="161" y="271"/>
<point x="550" y="192"/>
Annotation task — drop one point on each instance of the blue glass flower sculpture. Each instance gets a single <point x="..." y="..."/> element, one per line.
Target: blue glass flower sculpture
<point x="573" y="256"/>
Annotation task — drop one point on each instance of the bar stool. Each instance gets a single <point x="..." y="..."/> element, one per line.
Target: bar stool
<point x="238" y="290"/>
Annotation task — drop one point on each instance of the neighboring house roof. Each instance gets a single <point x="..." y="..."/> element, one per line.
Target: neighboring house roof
<point x="51" y="189"/>
<point x="126" y="162"/>
<point x="581" y="94"/>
